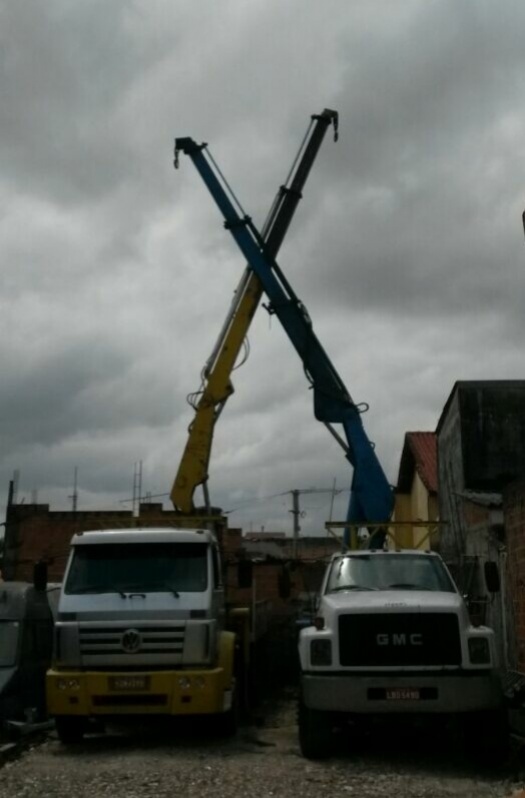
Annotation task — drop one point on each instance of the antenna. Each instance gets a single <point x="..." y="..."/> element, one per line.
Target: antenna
<point x="334" y="493"/>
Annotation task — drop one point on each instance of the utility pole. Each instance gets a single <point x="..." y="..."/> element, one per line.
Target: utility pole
<point x="296" y="512"/>
<point x="74" y="495"/>
<point x="334" y="493"/>
<point x="137" y="488"/>
<point x="296" y="525"/>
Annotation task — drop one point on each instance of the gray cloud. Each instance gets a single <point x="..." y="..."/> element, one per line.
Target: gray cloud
<point x="116" y="273"/>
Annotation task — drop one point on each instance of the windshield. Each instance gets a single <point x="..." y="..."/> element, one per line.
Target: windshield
<point x="389" y="571"/>
<point x="8" y="643"/>
<point x="138" y="568"/>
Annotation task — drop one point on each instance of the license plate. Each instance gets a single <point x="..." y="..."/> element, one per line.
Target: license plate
<point x="403" y="694"/>
<point x="129" y="683"/>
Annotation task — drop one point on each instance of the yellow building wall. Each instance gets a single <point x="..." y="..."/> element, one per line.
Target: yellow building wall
<point x="416" y="506"/>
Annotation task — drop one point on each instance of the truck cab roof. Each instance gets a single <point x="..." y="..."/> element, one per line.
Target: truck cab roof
<point x="384" y="553"/>
<point x="142" y="535"/>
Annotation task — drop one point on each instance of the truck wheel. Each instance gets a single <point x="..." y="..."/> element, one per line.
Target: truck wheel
<point x="487" y="737"/>
<point x="227" y="723"/>
<point x="70" y="729"/>
<point x="315" y="732"/>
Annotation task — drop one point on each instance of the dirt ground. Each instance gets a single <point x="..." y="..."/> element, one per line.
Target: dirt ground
<point x="153" y="760"/>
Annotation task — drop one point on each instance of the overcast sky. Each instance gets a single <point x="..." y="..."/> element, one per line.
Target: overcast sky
<point x="116" y="273"/>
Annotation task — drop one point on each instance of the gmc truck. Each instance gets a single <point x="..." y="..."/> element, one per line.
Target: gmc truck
<point x="392" y="636"/>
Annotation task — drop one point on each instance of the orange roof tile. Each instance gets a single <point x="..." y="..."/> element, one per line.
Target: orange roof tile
<point x="419" y="454"/>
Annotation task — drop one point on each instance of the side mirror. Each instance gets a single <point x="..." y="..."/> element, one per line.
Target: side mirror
<point x="244" y="573"/>
<point x="492" y="580"/>
<point x="40" y="576"/>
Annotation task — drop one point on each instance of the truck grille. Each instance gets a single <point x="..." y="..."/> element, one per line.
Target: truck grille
<point x="399" y="639"/>
<point x="145" y="640"/>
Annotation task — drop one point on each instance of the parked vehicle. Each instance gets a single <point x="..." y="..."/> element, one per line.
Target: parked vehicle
<point x="26" y="641"/>
<point x="142" y="630"/>
<point x="392" y="636"/>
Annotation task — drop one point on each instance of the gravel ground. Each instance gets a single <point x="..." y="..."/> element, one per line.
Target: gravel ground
<point x="263" y="760"/>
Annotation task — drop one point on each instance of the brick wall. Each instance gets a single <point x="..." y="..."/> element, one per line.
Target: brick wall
<point x="33" y="532"/>
<point x="304" y="582"/>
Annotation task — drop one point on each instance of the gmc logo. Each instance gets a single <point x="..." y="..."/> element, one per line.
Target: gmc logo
<point x="414" y="639"/>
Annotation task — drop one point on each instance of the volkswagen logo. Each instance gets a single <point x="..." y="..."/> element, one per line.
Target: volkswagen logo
<point x="131" y="641"/>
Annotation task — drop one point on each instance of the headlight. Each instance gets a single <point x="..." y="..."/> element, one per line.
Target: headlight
<point x="321" y="652"/>
<point x="478" y="650"/>
<point x="68" y="684"/>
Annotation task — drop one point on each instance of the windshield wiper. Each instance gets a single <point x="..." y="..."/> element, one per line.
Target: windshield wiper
<point x="143" y="590"/>
<point x="96" y="591"/>
<point x="125" y="593"/>
<point x="406" y="586"/>
<point x="350" y="587"/>
<point x="166" y="589"/>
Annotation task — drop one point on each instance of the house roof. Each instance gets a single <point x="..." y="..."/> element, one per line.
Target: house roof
<point x="419" y="455"/>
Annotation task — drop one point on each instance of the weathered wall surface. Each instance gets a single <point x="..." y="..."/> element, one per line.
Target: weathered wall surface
<point x="492" y="434"/>
<point x="450" y="480"/>
<point x="514" y="514"/>
<point x="483" y="543"/>
<point x="481" y="448"/>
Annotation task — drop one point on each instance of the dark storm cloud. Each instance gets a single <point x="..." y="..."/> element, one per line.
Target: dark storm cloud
<point x="117" y="274"/>
<point x="84" y="388"/>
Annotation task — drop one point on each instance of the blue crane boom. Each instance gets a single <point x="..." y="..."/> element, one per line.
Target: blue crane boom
<point x="371" y="497"/>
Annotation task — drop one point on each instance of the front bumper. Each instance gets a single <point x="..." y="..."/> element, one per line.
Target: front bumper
<point x="181" y="692"/>
<point x="443" y="693"/>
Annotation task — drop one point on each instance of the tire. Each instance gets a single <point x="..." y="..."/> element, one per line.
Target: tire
<point x="70" y="729"/>
<point x="315" y="732"/>
<point x="487" y="737"/>
<point x="227" y="723"/>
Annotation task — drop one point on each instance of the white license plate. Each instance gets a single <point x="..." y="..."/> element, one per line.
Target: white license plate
<point x="403" y="694"/>
<point x="128" y="683"/>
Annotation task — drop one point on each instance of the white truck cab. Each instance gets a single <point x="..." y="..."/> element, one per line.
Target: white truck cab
<point x="392" y="635"/>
